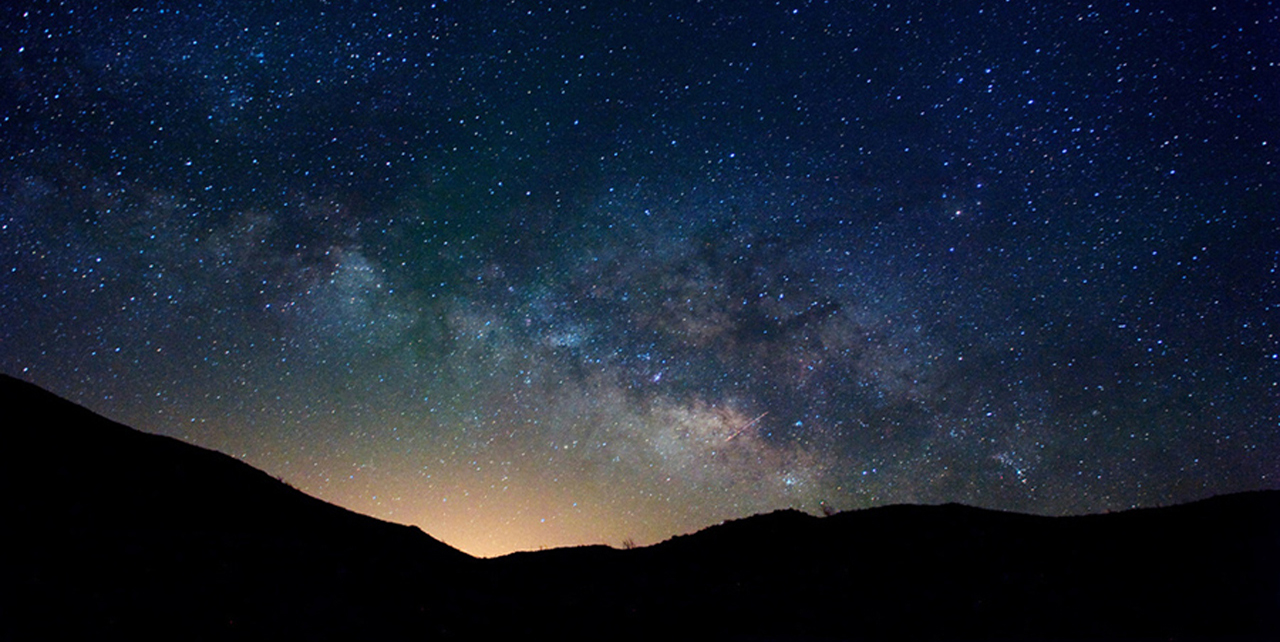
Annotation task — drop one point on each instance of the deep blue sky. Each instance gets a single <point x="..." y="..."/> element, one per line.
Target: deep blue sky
<point x="538" y="274"/>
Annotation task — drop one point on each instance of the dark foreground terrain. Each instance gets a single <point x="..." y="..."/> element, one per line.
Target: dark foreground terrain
<point x="117" y="534"/>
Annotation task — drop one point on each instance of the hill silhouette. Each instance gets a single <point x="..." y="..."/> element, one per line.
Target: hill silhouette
<point x="122" y="534"/>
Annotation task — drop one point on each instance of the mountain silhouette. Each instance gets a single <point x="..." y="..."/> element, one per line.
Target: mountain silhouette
<point x="125" y="534"/>
<point x="120" y="534"/>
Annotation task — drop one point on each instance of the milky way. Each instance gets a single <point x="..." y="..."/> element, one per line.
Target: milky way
<point x="546" y="274"/>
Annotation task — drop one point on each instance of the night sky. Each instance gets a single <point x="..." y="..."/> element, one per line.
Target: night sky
<point x="541" y="274"/>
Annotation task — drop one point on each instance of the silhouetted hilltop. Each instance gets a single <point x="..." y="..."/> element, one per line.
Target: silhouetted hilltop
<point x="121" y="534"/>
<point x="124" y="532"/>
<point x="88" y="471"/>
<point x="1208" y="570"/>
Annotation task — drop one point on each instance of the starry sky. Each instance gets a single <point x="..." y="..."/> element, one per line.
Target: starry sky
<point x="536" y="274"/>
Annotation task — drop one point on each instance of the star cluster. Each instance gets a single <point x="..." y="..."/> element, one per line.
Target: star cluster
<point x="536" y="273"/>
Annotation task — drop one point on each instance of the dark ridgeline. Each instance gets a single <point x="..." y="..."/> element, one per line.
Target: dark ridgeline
<point x="119" y="534"/>
<point x="124" y="534"/>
